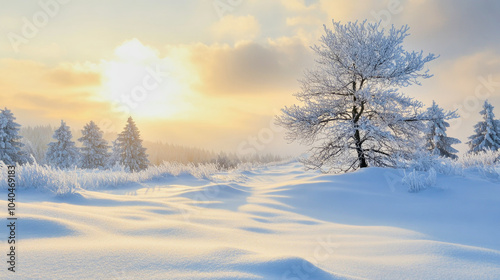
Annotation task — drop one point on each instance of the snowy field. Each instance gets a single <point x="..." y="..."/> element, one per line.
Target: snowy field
<point x="275" y="222"/>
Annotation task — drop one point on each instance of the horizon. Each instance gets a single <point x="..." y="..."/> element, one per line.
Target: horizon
<point x="111" y="136"/>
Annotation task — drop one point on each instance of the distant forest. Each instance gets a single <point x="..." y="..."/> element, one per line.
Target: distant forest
<point x="37" y="139"/>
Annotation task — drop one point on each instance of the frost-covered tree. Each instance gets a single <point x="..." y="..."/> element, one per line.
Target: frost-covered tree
<point x="94" y="153"/>
<point x="11" y="146"/>
<point x="115" y="156"/>
<point x="352" y="113"/>
<point x="436" y="140"/>
<point x="225" y="161"/>
<point x="62" y="153"/>
<point x="36" y="140"/>
<point x="132" y="154"/>
<point x="487" y="132"/>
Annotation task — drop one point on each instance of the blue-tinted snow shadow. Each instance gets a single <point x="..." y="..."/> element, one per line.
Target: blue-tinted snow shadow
<point x="32" y="228"/>
<point x="220" y="196"/>
<point x="458" y="210"/>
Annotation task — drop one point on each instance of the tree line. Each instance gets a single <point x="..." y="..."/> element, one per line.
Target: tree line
<point x="55" y="147"/>
<point x="127" y="150"/>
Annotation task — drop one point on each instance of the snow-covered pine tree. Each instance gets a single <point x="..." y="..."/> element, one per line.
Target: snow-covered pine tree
<point x="352" y="113"/>
<point x="437" y="142"/>
<point x="94" y="153"/>
<point x="487" y="132"/>
<point x="132" y="154"/>
<point x="11" y="146"/>
<point x="62" y="153"/>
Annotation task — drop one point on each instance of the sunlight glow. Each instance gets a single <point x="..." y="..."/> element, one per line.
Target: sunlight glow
<point x="140" y="83"/>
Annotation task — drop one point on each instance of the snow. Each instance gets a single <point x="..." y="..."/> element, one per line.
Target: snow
<point x="274" y="222"/>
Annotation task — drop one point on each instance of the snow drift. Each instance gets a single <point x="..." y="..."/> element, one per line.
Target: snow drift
<point x="272" y="222"/>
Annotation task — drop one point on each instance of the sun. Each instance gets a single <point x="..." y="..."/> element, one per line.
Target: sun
<point x="140" y="83"/>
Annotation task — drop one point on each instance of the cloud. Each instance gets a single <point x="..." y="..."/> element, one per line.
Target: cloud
<point x="470" y="26"/>
<point x="135" y="51"/>
<point x="304" y="20"/>
<point x="69" y="77"/>
<point x="80" y="106"/>
<point x="68" y="91"/>
<point x="456" y="80"/>
<point x="23" y="74"/>
<point x="349" y="10"/>
<point x="235" y="28"/>
<point x="250" y="68"/>
<point x="299" y="5"/>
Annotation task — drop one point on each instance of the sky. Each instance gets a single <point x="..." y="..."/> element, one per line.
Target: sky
<point x="213" y="73"/>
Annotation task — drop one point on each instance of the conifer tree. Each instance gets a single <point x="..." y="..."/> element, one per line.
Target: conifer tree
<point x="487" y="132"/>
<point x="437" y="142"/>
<point x="11" y="146"/>
<point x="132" y="154"/>
<point x="94" y="153"/>
<point x="62" y="153"/>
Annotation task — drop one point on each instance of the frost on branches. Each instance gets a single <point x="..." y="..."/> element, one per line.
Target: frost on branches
<point x="132" y="155"/>
<point x="437" y="142"/>
<point x="62" y="153"/>
<point x="487" y="132"/>
<point x="94" y="153"/>
<point x="11" y="151"/>
<point x="114" y="159"/>
<point x="352" y="113"/>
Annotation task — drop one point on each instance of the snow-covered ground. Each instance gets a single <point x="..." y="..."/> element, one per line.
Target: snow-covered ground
<point x="275" y="222"/>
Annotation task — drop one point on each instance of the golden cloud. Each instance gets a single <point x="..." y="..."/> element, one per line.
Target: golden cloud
<point x="236" y="28"/>
<point x="68" y="77"/>
<point x="250" y="68"/>
<point x="40" y="91"/>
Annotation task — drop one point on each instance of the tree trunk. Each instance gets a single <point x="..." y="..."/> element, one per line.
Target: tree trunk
<point x="361" y="154"/>
<point x="357" y="138"/>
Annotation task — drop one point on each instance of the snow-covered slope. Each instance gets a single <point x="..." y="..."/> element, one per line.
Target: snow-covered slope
<point x="269" y="223"/>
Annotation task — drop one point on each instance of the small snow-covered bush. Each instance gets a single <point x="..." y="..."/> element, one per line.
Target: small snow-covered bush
<point x="485" y="163"/>
<point x="422" y="167"/>
<point x="419" y="180"/>
<point x="35" y="176"/>
<point x="487" y="158"/>
<point x="55" y="180"/>
<point x="424" y="161"/>
<point x="420" y="161"/>
<point x="66" y="181"/>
